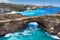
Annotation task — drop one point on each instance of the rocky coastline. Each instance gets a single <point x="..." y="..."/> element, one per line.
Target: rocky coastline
<point x="48" y="22"/>
<point x="8" y="7"/>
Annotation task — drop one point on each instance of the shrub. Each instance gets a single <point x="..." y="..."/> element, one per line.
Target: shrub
<point x="1" y="24"/>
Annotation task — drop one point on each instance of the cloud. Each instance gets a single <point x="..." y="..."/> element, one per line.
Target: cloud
<point x="5" y="1"/>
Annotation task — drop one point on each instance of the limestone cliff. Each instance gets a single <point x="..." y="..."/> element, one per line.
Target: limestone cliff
<point x="48" y="22"/>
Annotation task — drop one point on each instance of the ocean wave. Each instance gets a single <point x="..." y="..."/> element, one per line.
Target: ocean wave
<point x="53" y="36"/>
<point x="12" y="34"/>
<point x="8" y="35"/>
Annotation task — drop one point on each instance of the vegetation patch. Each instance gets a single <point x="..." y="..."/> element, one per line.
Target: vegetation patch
<point x="57" y="17"/>
<point x="13" y="21"/>
<point x="1" y="24"/>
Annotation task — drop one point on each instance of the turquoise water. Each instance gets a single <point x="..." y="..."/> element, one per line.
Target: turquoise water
<point x="32" y="32"/>
<point x="40" y="11"/>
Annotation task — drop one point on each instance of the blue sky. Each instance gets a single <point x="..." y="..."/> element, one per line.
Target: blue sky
<point x="36" y="2"/>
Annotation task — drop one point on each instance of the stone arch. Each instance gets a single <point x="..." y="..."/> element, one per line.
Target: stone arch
<point x="40" y="22"/>
<point x="33" y="23"/>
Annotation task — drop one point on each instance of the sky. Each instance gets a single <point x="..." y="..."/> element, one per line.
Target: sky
<point x="34" y="2"/>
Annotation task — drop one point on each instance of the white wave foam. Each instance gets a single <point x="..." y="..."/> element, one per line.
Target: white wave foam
<point x="16" y="33"/>
<point x="12" y="34"/>
<point x="33" y="23"/>
<point x="26" y="32"/>
<point x="8" y="35"/>
<point x="53" y="36"/>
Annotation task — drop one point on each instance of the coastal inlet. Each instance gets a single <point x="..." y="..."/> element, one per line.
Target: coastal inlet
<point x="49" y="23"/>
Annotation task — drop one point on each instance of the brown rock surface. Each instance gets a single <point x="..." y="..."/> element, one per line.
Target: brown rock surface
<point x="51" y="23"/>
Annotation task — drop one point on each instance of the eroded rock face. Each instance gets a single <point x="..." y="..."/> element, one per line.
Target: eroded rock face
<point x="3" y="31"/>
<point x="12" y="26"/>
<point x="16" y="26"/>
<point x="51" y="23"/>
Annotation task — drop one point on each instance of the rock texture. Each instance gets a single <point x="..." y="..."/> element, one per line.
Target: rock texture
<point x="10" y="16"/>
<point x="51" y="23"/>
<point x="11" y="26"/>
